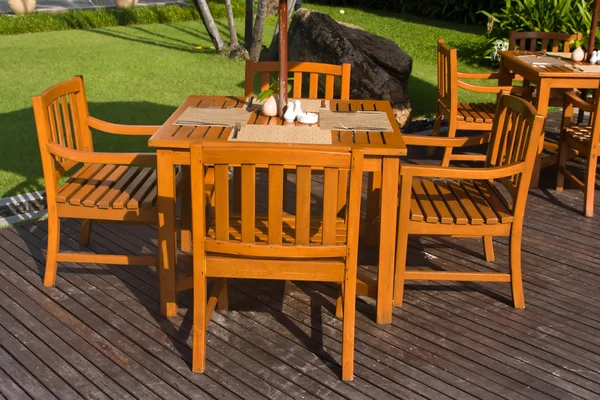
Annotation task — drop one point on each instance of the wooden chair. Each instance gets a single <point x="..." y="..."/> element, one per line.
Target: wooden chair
<point x="462" y="116"/>
<point x="274" y="246"/>
<point x="583" y="140"/>
<point x="298" y="70"/>
<point x="105" y="187"/>
<point x="455" y="201"/>
<point x="542" y="41"/>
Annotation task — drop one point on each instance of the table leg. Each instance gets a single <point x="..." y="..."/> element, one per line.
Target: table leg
<point x="387" y="239"/>
<point x="543" y="99"/>
<point x="167" y="235"/>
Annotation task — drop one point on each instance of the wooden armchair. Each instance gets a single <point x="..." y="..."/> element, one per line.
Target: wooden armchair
<point x="299" y="69"/>
<point x="105" y="187"/>
<point x="584" y="141"/>
<point x="277" y="245"/>
<point x="462" y="116"/>
<point x="454" y="201"/>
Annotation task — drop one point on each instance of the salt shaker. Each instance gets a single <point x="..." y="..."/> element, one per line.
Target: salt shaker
<point x="290" y="112"/>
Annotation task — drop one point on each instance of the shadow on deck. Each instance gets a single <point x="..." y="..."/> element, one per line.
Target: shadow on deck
<point x="99" y="334"/>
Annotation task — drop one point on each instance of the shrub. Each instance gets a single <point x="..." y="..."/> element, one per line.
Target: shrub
<point x="465" y="11"/>
<point x="105" y="17"/>
<point x="568" y="16"/>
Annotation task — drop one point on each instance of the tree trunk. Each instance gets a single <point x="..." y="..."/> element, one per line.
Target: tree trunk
<point x="232" y="32"/>
<point x="209" y="24"/>
<point x="249" y="22"/>
<point x="257" y="33"/>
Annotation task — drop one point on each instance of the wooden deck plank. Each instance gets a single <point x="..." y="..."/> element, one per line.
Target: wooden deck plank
<point x="101" y="325"/>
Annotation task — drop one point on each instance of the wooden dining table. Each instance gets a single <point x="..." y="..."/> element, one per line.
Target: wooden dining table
<point x="382" y="158"/>
<point x="545" y="78"/>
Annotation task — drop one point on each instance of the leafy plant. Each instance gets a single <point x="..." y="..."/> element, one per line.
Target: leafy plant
<point x="273" y="88"/>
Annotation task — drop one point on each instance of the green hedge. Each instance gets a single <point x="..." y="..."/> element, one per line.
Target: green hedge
<point x="104" y="17"/>
<point x="465" y="11"/>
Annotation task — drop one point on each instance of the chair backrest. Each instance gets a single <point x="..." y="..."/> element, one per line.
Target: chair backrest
<point x="61" y="118"/>
<point x="447" y="77"/>
<point x="514" y="141"/>
<point x="276" y="235"/>
<point x="328" y="74"/>
<point x="544" y="41"/>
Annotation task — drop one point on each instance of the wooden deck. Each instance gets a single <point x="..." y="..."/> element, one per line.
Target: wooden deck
<point x="99" y="333"/>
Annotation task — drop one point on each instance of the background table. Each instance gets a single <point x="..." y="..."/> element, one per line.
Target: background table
<point x="545" y="78"/>
<point x="382" y="158"/>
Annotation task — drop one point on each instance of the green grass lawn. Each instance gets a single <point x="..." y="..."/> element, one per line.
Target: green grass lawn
<point x="139" y="75"/>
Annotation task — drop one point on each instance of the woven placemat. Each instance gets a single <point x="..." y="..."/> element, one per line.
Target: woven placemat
<point x="281" y="134"/>
<point x="213" y="116"/>
<point x="587" y="68"/>
<point x="377" y="121"/>
<point x="311" y="105"/>
<point x="543" y="60"/>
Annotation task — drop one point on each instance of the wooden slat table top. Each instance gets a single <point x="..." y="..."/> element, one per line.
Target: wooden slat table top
<point x="512" y="61"/>
<point x="374" y="143"/>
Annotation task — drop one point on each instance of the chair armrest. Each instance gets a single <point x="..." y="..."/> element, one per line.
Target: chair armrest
<point x="435" y="141"/>
<point x="573" y="99"/>
<point x="119" y="129"/>
<point x="479" y="75"/>
<point x="91" y="157"/>
<point x="434" y="171"/>
<point x="492" y="89"/>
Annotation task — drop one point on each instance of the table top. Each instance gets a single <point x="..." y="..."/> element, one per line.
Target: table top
<point x="511" y="58"/>
<point x="171" y="136"/>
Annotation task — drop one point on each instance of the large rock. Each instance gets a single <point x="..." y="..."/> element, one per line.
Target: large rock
<point x="380" y="70"/>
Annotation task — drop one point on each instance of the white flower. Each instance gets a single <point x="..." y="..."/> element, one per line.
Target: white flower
<point x="342" y="11"/>
<point x="497" y="47"/>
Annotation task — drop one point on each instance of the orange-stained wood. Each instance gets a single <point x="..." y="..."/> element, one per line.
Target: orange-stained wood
<point x="244" y="250"/>
<point x="459" y="201"/>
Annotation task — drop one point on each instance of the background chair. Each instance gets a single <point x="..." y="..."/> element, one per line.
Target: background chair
<point x="455" y="201"/>
<point x="326" y="74"/>
<point x="583" y="140"/>
<point x="105" y="186"/>
<point x="274" y="246"/>
<point x="462" y="116"/>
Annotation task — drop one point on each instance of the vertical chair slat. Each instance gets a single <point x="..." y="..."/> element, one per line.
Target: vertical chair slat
<point x="59" y="126"/>
<point x="221" y="202"/>
<point x="303" y="177"/>
<point x="545" y="44"/>
<point x="275" y="203"/>
<point x="330" y="187"/>
<point x="345" y="93"/>
<point x="532" y="44"/>
<point x="342" y="190"/>
<point x="248" y="202"/>
<point x="75" y="120"/>
<point x="297" y="85"/>
<point x="314" y="85"/>
<point x="264" y="81"/>
<point x="67" y="121"/>
<point x="329" y="86"/>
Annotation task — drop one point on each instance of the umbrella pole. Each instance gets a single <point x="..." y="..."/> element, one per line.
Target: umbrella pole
<point x="592" y="40"/>
<point x="283" y="55"/>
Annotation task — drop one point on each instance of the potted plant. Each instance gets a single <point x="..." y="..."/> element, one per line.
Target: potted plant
<point x="21" y="6"/>
<point x="270" y="98"/>
<point x="125" y="3"/>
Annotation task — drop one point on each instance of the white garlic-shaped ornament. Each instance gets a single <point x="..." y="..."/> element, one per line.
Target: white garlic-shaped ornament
<point x="290" y="112"/>
<point x="594" y="57"/>
<point x="298" y="107"/>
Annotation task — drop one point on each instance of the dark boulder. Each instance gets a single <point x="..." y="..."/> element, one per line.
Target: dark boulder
<point x="380" y="70"/>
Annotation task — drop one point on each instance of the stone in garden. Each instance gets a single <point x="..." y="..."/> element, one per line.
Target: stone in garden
<point x="380" y="69"/>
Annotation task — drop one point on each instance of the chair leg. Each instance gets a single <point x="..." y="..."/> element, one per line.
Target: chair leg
<point x="339" y="304"/>
<point x="437" y="125"/>
<point x="448" y="150"/>
<point x="488" y="249"/>
<point x="348" y="328"/>
<point x="53" y="247"/>
<point x="563" y="150"/>
<point x="85" y="232"/>
<point x="515" y="269"/>
<point x="223" y="301"/>
<point x="186" y="217"/>
<point x="401" y="253"/>
<point x="199" y="325"/>
<point x="590" y="185"/>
